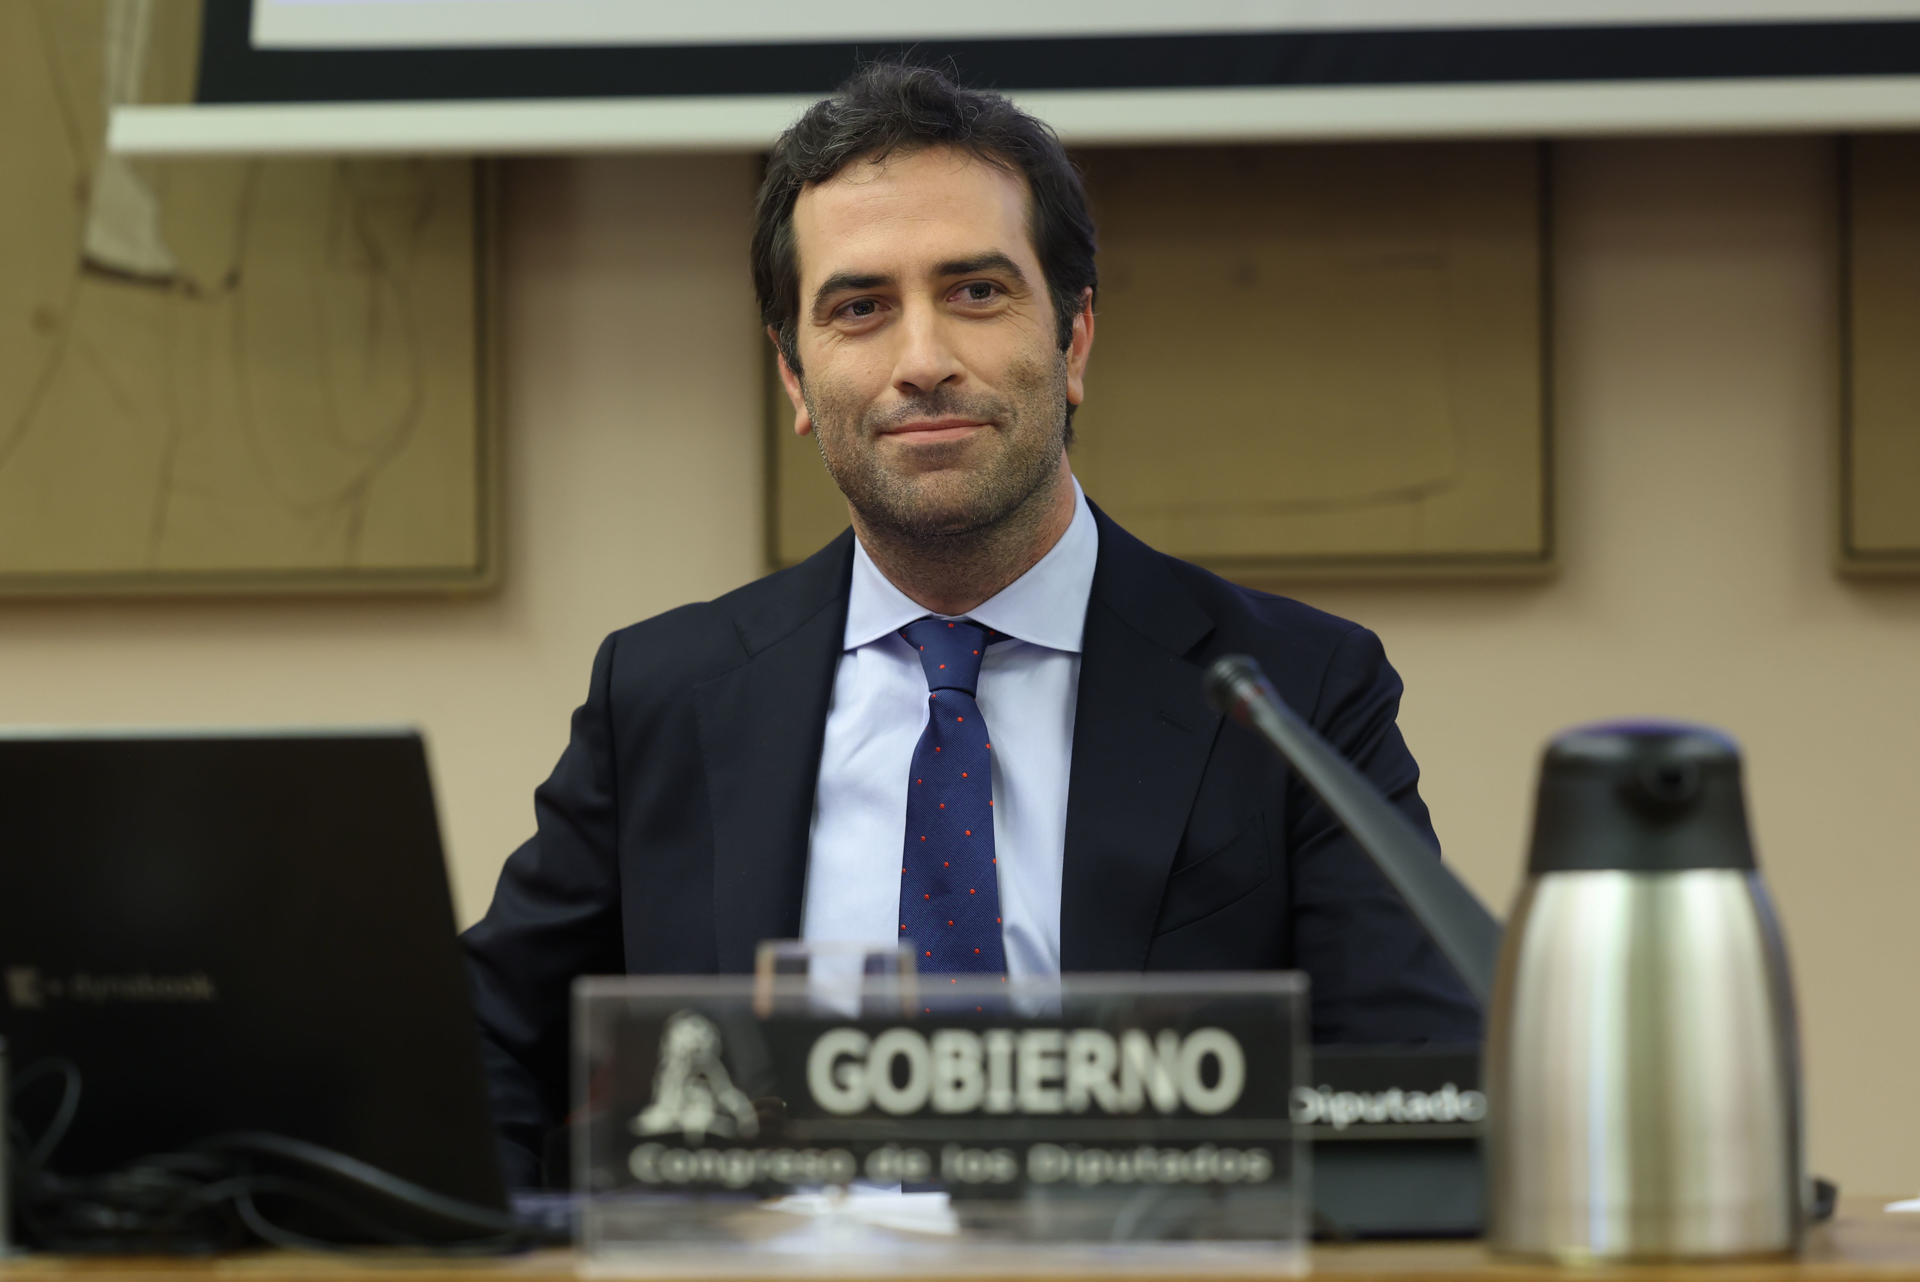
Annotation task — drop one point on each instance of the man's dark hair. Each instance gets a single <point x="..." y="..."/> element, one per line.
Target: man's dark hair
<point x="889" y="107"/>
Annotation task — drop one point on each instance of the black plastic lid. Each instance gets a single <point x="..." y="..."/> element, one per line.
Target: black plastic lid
<point x="1641" y="796"/>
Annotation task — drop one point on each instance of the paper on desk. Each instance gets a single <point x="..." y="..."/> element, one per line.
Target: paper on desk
<point x="1911" y="1204"/>
<point x="877" y="1208"/>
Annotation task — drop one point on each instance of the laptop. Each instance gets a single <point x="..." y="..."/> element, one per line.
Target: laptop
<point x="245" y="931"/>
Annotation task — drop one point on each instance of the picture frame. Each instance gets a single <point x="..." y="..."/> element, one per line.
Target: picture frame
<point x="1877" y="508"/>
<point x="241" y="376"/>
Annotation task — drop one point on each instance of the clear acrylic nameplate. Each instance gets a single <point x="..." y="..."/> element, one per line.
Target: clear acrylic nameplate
<point x="856" y="1118"/>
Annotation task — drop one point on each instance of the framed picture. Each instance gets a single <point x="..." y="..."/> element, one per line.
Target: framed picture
<point x="1309" y="361"/>
<point x="234" y="375"/>
<point x="1878" y="526"/>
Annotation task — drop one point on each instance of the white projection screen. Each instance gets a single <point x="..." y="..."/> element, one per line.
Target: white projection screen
<point x="502" y="76"/>
<point x="374" y="24"/>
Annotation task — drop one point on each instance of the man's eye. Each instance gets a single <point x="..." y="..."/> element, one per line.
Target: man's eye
<point x="979" y="291"/>
<point x="859" y="308"/>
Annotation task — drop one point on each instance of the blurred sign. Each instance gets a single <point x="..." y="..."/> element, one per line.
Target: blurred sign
<point x="1123" y="1109"/>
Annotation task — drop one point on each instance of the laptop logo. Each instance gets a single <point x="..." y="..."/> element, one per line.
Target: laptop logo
<point x="23" y="987"/>
<point x="692" y="1093"/>
<point x="28" y="989"/>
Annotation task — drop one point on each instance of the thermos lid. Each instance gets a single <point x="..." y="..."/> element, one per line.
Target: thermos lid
<point x="1640" y="796"/>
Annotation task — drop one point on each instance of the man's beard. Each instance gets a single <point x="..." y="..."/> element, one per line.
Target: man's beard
<point x="1030" y="423"/>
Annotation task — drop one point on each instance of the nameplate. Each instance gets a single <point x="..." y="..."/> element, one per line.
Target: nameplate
<point x="1391" y="1093"/>
<point x="1099" y="1091"/>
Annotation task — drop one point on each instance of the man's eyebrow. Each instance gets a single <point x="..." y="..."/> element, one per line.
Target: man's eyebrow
<point x="841" y="282"/>
<point x="991" y="261"/>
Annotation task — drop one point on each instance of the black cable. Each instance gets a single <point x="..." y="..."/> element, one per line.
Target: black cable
<point x="212" y="1201"/>
<point x="277" y="1235"/>
<point x="241" y="1192"/>
<point x="234" y="1189"/>
<point x="63" y="1116"/>
<point x="356" y="1173"/>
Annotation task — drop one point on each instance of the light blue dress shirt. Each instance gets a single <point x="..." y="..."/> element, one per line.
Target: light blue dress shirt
<point x="1028" y="688"/>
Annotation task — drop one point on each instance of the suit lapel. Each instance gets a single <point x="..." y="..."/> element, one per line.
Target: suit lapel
<point x="1142" y="733"/>
<point x="761" y="729"/>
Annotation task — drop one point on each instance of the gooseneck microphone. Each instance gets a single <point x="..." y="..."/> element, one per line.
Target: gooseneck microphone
<point x="1466" y="933"/>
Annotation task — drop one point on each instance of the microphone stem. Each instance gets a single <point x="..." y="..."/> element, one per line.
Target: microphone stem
<point x="1467" y="935"/>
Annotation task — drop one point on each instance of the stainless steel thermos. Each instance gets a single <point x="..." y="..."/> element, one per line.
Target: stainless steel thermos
<point x="1642" y="1060"/>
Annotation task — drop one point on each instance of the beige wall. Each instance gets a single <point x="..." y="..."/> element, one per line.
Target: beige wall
<point x="1695" y="353"/>
<point x="1695" y="350"/>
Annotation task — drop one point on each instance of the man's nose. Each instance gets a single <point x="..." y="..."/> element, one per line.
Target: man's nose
<point x="925" y="358"/>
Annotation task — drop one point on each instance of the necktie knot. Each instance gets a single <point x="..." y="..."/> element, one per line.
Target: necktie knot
<point x="950" y="651"/>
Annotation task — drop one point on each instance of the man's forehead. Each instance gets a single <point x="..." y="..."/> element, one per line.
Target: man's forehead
<point x="929" y="191"/>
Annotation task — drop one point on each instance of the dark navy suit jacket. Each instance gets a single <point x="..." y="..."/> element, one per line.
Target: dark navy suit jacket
<point x="672" y="835"/>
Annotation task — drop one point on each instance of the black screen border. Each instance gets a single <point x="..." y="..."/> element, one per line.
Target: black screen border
<point x="233" y="71"/>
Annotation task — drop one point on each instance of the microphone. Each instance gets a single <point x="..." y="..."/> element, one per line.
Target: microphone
<point x="1468" y="936"/>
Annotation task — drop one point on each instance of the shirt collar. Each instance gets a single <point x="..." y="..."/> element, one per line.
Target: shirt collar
<point x="1046" y="606"/>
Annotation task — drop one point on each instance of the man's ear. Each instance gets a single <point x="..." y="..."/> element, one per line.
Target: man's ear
<point x="1079" y="348"/>
<point x="802" y="421"/>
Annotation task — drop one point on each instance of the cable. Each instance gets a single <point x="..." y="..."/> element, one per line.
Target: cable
<point x="352" y="1171"/>
<point x="487" y="1230"/>
<point x="235" y="1189"/>
<point x="63" y="1116"/>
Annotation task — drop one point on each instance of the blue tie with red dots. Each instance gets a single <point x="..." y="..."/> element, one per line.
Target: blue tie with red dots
<point x="949" y="883"/>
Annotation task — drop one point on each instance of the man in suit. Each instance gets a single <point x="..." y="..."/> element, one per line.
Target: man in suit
<point x="791" y="760"/>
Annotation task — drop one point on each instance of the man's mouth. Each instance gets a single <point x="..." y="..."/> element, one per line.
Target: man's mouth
<point x="931" y="430"/>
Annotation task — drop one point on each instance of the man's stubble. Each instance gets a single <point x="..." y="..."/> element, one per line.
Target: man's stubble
<point x="949" y="513"/>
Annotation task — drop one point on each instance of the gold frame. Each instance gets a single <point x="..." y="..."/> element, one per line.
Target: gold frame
<point x="1855" y="488"/>
<point x="481" y="578"/>
<point x="455" y="538"/>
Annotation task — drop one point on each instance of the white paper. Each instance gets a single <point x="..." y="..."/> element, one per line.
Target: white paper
<point x="928" y="1213"/>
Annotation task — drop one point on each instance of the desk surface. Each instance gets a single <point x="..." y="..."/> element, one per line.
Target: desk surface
<point x="1862" y="1242"/>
